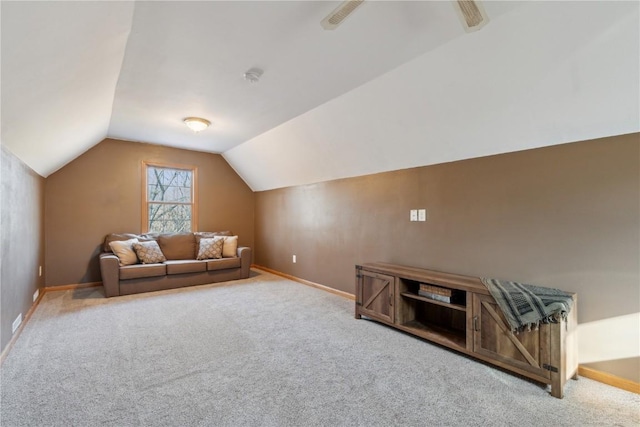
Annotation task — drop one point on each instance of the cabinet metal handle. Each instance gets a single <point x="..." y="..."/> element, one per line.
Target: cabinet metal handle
<point x="475" y="323"/>
<point x="390" y="299"/>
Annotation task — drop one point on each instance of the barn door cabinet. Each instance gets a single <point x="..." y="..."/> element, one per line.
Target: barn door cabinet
<point x="472" y="323"/>
<point x="375" y="292"/>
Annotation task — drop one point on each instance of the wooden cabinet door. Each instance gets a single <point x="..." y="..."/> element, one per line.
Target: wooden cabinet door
<point x="375" y="293"/>
<point x="492" y="337"/>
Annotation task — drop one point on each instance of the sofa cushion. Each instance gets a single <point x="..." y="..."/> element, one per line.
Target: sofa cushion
<point x="149" y="252"/>
<point x="123" y="249"/>
<point x="178" y="245"/>
<point x="230" y="247"/>
<point x="223" y="263"/>
<point x="142" y="270"/>
<point x="117" y="237"/>
<point x="185" y="266"/>
<point x="210" y="248"/>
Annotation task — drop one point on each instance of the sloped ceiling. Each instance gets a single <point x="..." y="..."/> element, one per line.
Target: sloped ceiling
<point x="545" y="74"/>
<point x="398" y="85"/>
<point x="60" y="66"/>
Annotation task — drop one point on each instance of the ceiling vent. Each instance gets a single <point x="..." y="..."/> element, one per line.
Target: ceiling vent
<point x="341" y="13"/>
<point x="472" y="14"/>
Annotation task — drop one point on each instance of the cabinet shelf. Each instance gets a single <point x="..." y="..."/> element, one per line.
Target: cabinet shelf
<point x="433" y="301"/>
<point x="448" y="337"/>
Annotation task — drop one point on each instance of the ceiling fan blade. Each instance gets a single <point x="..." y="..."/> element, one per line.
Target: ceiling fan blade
<point x="340" y="13"/>
<point x="471" y="14"/>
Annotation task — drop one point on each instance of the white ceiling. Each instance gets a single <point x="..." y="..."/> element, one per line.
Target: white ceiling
<point x="399" y="84"/>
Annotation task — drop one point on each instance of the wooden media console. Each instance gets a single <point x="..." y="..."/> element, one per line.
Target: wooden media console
<point x="469" y="321"/>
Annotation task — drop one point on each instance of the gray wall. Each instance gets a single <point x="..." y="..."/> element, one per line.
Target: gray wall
<point x="100" y="192"/>
<point x="565" y="216"/>
<point x="22" y="250"/>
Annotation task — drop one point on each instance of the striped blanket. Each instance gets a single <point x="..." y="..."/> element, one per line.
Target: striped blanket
<point x="526" y="306"/>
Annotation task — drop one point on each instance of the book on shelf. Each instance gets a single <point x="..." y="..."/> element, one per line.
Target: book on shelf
<point x="437" y="297"/>
<point x="437" y="293"/>
<point x="436" y="290"/>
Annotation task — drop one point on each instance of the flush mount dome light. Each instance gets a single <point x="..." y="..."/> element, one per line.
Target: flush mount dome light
<point x="197" y="124"/>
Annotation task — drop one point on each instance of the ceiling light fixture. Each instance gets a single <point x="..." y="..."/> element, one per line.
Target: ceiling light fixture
<point x="197" y="124"/>
<point x="253" y="75"/>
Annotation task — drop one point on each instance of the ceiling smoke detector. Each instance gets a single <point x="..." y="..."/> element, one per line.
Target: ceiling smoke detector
<point x="253" y="75"/>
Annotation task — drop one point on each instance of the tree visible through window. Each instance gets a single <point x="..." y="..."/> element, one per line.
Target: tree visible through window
<point x="169" y="198"/>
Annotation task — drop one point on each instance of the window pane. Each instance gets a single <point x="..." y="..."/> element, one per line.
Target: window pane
<point x="169" y="199"/>
<point x="169" y="218"/>
<point x="168" y="185"/>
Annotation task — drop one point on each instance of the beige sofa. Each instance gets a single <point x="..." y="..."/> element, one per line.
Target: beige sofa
<point x="180" y="269"/>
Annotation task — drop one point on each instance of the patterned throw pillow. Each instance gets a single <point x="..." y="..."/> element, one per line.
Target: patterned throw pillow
<point x="149" y="252"/>
<point x="230" y="247"/>
<point x="210" y="248"/>
<point x="123" y="249"/>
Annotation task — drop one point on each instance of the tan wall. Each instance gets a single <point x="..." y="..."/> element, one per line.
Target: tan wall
<point x="22" y="251"/>
<point x="565" y="216"/>
<point x="100" y="193"/>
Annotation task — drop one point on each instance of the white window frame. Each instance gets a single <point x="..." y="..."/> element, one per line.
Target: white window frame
<point x="194" y="192"/>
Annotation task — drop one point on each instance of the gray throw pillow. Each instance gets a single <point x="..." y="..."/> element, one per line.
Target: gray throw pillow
<point x="149" y="252"/>
<point x="210" y="248"/>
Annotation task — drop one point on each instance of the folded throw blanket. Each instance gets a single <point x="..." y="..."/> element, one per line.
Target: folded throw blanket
<point x="526" y="306"/>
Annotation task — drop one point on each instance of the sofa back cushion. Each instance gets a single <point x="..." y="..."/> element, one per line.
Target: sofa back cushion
<point x="178" y="245"/>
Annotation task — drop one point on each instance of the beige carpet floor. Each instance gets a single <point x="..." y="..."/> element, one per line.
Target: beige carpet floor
<point x="263" y="351"/>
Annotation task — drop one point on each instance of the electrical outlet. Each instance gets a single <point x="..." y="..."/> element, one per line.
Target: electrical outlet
<point x="413" y="215"/>
<point x="294" y="259"/>
<point x="36" y="294"/>
<point x="16" y="323"/>
<point x="422" y="215"/>
<point x="40" y="271"/>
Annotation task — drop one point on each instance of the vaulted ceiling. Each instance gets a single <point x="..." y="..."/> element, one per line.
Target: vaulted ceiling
<point x="399" y="84"/>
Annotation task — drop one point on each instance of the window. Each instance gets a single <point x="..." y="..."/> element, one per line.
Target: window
<point x="169" y="202"/>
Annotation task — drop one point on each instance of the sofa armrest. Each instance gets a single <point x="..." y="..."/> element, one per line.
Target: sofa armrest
<point x="245" y="261"/>
<point x="110" y="270"/>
